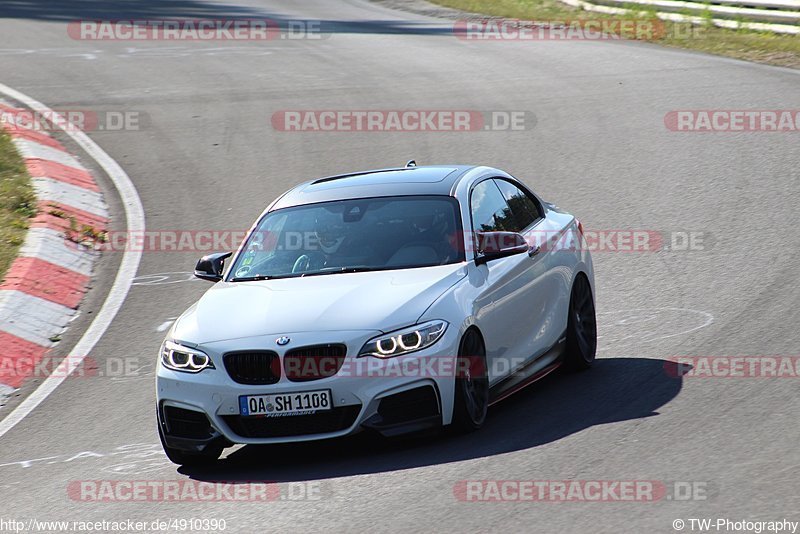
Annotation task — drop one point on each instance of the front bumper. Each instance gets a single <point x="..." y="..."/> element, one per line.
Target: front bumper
<point x="393" y="396"/>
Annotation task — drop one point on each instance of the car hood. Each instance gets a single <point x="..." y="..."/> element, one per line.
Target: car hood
<point x="379" y="300"/>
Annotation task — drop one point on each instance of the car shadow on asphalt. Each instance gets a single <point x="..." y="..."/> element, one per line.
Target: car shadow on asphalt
<point x="615" y="389"/>
<point x="72" y="11"/>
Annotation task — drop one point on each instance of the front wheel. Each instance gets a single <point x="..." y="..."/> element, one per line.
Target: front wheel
<point x="581" y="327"/>
<point x="472" y="384"/>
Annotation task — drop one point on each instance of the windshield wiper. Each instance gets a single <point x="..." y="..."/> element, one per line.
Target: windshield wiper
<point x="251" y="278"/>
<point x="264" y="277"/>
<point x="339" y="270"/>
<point x="327" y="270"/>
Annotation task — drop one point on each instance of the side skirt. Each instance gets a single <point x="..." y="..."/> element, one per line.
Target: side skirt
<point x="529" y="373"/>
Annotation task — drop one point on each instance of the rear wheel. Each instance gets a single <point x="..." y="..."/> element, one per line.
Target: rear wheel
<point x="581" y="327"/>
<point x="190" y="459"/>
<point x="472" y="384"/>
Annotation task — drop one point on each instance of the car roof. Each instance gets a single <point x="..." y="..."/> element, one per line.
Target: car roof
<point x="423" y="180"/>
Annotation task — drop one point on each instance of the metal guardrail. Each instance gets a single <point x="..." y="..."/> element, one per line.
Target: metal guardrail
<point x="779" y="16"/>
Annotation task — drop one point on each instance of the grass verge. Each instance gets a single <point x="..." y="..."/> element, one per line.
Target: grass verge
<point x="17" y="202"/>
<point x="762" y="47"/>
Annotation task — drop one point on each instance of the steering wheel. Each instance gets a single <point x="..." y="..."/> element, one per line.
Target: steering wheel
<point x="301" y="264"/>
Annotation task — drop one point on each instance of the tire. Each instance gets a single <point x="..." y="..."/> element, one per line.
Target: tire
<point x="472" y="384"/>
<point x="190" y="459"/>
<point x="581" y="344"/>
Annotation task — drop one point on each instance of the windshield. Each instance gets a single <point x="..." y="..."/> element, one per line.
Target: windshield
<point x="352" y="235"/>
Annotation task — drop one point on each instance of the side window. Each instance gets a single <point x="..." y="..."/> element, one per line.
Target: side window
<point x="490" y="212"/>
<point x="524" y="208"/>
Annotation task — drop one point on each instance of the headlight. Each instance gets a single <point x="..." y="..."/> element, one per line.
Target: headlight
<point x="180" y="358"/>
<point x="404" y="341"/>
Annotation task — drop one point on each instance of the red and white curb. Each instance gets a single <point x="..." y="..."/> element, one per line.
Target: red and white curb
<point x="42" y="289"/>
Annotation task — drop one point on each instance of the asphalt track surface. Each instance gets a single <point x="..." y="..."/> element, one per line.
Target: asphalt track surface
<point x="206" y="157"/>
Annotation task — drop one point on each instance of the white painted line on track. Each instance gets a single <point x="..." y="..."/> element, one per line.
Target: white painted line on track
<point x="163" y="327"/>
<point x="134" y="218"/>
<point x="5" y="391"/>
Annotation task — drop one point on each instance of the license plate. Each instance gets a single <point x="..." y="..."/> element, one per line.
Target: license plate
<point x="283" y="404"/>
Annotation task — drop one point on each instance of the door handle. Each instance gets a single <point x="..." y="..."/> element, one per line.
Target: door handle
<point x="534" y="250"/>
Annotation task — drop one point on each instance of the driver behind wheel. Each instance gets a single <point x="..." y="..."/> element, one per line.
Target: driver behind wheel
<point x="337" y="244"/>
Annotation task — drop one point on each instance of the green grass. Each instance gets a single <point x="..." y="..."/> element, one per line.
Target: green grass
<point x="17" y="202"/>
<point x="762" y="47"/>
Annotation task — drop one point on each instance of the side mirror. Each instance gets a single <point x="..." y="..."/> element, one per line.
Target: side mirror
<point x="211" y="267"/>
<point x="494" y="245"/>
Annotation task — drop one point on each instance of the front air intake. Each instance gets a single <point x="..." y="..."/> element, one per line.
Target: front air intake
<point x="304" y="364"/>
<point x="253" y="367"/>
